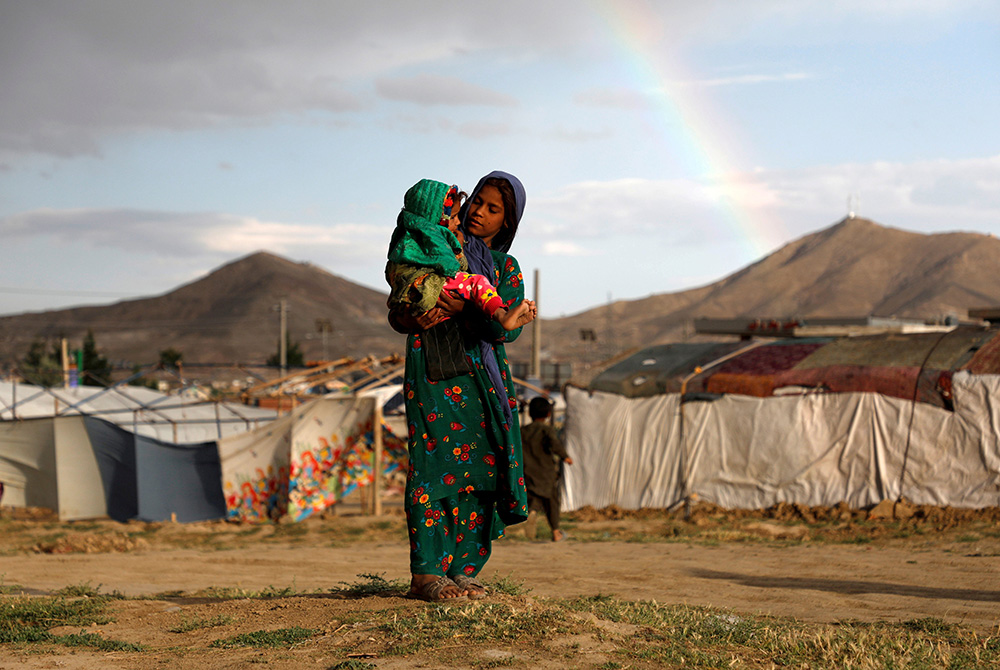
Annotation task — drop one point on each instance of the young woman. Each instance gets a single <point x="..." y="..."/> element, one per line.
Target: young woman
<point x="465" y="481"/>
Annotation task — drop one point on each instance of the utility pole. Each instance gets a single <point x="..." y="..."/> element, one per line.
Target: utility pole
<point x="283" y="341"/>
<point x="536" y="334"/>
<point x="325" y="328"/>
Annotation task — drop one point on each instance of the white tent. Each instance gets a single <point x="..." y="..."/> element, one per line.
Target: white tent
<point x="747" y="452"/>
<point x="87" y="452"/>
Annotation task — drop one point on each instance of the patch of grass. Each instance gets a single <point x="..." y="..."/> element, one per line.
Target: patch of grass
<point x="970" y="537"/>
<point x="198" y="623"/>
<point x="371" y="584"/>
<point x="507" y="585"/>
<point x="95" y="641"/>
<point x="236" y="593"/>
<point x="493" y="622"/>
<point x="28" y="620"/>
<point x="713" y="638"/>
<point x="8" y="589"/>
<point x="282" y="637"/>
<point x="84" y="590"/>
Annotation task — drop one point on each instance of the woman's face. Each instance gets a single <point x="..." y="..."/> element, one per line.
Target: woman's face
<point x="486" y="215"/>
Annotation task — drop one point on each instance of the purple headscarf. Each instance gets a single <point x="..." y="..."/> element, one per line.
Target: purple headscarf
<point x="481" y="263"/>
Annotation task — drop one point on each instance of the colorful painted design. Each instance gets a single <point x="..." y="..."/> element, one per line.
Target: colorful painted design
<point x="324" y="453"/>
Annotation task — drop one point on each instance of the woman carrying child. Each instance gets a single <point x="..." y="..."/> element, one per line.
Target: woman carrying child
<point x="465" y="482"/>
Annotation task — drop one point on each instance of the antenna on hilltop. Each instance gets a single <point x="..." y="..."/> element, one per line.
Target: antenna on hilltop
<point x="853" y="205"/>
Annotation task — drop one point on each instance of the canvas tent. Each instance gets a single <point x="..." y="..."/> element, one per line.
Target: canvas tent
<point x="817" y="422"/>
<point x="308" y="460"/>
<point x="127" y="453"/>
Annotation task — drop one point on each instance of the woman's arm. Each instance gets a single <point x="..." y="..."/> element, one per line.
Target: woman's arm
<point x="510" y="287"/>
<point x="404" y="321"/>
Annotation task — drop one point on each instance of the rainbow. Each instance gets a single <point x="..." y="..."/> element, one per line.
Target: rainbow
<point x="690" y="126"/>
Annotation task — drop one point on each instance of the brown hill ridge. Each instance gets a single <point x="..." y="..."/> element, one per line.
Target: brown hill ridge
<point x="853" y="268"/>
<point x="230" y="315"/>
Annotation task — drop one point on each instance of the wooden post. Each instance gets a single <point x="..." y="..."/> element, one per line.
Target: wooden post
<point x="65" y="363"/>
<point x="377" y="460"/>
<point x="536" y="335"/>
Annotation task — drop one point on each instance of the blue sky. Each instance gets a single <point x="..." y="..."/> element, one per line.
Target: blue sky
<point x="663" y="145"/>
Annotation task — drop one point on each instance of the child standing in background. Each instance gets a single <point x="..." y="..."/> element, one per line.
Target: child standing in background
<point x="544" y="453"/>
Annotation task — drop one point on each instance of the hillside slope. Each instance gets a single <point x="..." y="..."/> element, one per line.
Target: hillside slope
<point x="853" y="268"/>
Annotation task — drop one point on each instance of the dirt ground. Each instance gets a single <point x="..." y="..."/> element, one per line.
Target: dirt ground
<point x="812" y="565"/>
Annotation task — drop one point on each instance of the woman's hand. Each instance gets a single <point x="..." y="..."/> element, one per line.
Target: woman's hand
<point x="404" y="321"/>
<point x="449" y="304"/>
<point x="430" y="318"/>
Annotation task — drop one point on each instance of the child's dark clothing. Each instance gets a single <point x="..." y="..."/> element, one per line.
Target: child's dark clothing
<point x="543" y="453"/>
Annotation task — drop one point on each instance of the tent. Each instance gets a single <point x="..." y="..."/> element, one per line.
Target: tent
<point x="126" y="453"/>
<point x="137" y="454"/>
<point x="308" y="460"/>
<point x="818" y="422"/>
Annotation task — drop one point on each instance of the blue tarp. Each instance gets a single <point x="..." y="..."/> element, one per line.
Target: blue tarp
<point x="151" y="480"/>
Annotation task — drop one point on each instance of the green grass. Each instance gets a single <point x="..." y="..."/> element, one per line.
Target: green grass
<point x="282" y="637"/>
<point x="480" y="622"/>
<point x="28" y="621"/>
<point x="235" y="592"/>
<point x="506" y="585"/>
<point x="696" y="637"/>
<point x="370" y="585"/>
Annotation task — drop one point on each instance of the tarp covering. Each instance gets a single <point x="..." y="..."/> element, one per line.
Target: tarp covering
<point x="147" y="479"/>
<point x="305" y="462"/>
<point x="818" y="449"/>
<point x="907" y="366"/>
<point x="49" y="463"/>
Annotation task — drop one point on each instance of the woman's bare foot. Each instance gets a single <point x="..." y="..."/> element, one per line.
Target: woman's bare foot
<point x="426" y="587"/>
<point x="515" y="317"/>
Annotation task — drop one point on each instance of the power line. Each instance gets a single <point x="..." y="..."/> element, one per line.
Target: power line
<point x="19" y="290"/>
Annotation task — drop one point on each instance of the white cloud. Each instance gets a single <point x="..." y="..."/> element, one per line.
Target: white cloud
<point x="747" y="79"/>
<point x="923" y="196"/>
<point x="565" y="248"/>
<point x="201" y="235"/>
<point x="429" y="89"/>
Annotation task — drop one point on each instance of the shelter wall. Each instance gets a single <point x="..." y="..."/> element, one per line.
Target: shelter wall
<point x="822" y="449"/>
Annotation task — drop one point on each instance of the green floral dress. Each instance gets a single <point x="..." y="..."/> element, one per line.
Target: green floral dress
<point x="465" y="472"/>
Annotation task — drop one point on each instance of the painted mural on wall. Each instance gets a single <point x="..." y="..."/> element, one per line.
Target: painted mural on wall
<point x="325" y="454"/>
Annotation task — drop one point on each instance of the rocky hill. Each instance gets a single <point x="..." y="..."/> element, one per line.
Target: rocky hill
<point x="853" y="268"/>
<point x="230" y="315"/>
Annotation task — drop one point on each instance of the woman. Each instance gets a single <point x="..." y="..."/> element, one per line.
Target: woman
<point x="465" y="481"/>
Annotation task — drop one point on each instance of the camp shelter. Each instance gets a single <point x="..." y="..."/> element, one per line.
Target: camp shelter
<point x="127" y="453"/>
<point x="308" y="460"/>
<point x="817" y="421"/>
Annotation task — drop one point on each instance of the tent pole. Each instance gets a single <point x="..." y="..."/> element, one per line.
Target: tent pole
<point x="377" y="461"/>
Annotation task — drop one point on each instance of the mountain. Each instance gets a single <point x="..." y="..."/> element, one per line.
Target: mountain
<point x="230" y="315"/>
<point x="853" y="268"/>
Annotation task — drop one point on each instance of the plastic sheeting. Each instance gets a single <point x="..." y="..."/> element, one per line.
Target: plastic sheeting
<point x="49" y="463"/>
<point x="147" y="479"/>
<point x="304" y="462"/>
<point x="820" y="449"/>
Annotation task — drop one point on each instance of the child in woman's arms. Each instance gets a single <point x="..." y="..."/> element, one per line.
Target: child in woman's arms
<point x="425" y="258"/>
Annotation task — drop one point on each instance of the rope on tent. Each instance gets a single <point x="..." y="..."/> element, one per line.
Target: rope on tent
<point x="913" y="411"/>
<point x="685" y="481"/>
